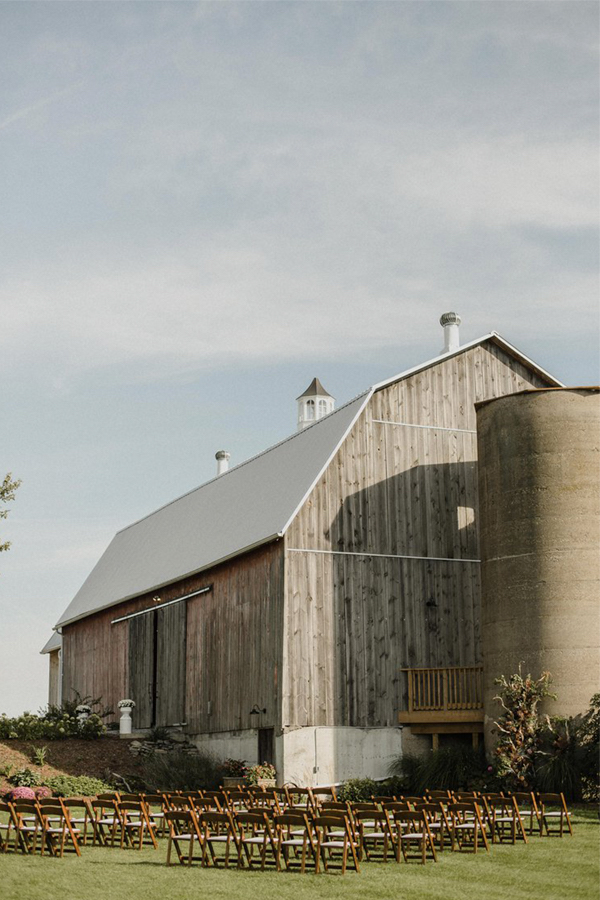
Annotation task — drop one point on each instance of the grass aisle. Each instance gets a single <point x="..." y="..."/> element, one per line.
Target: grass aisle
<point x="545" y="869"/>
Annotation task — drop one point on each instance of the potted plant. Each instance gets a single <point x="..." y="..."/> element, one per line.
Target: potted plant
<point x="234" y="772"/>
<point x="126" y="707"/>
<point x="262" y="775"/>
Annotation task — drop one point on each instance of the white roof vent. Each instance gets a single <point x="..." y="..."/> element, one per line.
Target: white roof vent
<point x="450" y="322"/>
<point x="222" y="457"/>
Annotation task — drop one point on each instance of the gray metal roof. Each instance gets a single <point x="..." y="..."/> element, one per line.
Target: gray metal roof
<point x="249" y="505"/>
<point x="53" y="643"/>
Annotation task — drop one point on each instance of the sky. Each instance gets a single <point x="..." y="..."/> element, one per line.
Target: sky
<point x="204" y="205"/>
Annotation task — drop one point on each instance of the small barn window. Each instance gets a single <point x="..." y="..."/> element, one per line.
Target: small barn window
<point x="310" y="409"/>
<point x="322" y="408"/>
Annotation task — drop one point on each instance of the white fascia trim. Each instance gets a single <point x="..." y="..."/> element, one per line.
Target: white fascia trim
<point x="492" y="336"/>
<point x="351" y="425"/>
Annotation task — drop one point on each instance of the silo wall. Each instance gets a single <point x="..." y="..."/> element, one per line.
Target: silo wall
<point x="539" y="522"/>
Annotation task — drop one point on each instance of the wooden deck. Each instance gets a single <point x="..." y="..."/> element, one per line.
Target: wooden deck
<point x="444" y="701"/>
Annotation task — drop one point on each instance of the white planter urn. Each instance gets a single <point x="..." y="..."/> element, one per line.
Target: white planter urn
<point x="125" y="720"/>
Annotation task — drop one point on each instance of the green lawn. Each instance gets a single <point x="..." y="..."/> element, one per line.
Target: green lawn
<point x="545" y="869"/>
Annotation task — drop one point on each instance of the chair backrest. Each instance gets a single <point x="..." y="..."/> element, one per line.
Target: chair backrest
<point x="370" y="815"/>
<point x="396" y="806"/>
<point x="439" y="795"/>
<point x="331" y="805"/>
<point x="297" y="796"/>
<point x="323" y="793"/>
<point x="108" y="795"/>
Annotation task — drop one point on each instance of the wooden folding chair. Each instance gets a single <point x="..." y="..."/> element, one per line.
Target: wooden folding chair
<point x="525" y="803"/>
<point x="300" y="798"/>
<point x="217" y="829"/>
<point x="8" y="832"/>
<point x="553" y="808"/>
<point x="156" y="807"/>
<point x="217" y="799"/>
<point x="413" y="828"/>
<point x="105" y="822"/>
<point x="294" y="840"/>
<point x="81" y="816"/>
<point x="466" y="826"/>
<point x="238" y="801"/>
<point x="254" y="834"/>
<point x="323" y="794"/>
<point x="267" y="799"/>
<point x="437" y="820"/>
<point x="137" y="830"/>
<point x="504" y="820"/>
<point x="58" y="833"/>
<point x="334" y="836"/>
<point x="183" y="833"/>
<point x="27" y="825"/>
<point x="372" y="833"/>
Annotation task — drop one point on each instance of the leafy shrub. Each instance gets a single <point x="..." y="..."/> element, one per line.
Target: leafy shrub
<point x="24" y="778"/>
<point x="568" y="760"/>
<point x="77" y="786"/>
<point x="357" y="789"/>
<point x="178" y="770"/>
<point x="56" y="722"/>
<point x="391" y="787"/>
<point x="20" y="793"/>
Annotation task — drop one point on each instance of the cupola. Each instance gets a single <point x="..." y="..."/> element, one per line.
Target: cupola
<point x="313" y="404"/>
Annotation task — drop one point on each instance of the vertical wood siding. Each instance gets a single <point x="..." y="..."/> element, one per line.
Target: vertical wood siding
<point x="353" y="619"/>
<point x="233" y="641"/>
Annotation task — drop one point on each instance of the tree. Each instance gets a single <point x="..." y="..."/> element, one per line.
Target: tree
<point x="7" y="493"/>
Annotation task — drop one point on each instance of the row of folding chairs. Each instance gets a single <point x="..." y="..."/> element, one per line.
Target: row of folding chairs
<point x="547" y="813"/>
<point x="60" y="825"/>
<point x="256" y="839"/>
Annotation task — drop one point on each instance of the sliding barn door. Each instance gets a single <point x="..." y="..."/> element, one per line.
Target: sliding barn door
<point x="142" y="669"/>
<point x="170" y="664"/>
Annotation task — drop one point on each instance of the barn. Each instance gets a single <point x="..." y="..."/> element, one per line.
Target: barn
<point x="320" y="604"/>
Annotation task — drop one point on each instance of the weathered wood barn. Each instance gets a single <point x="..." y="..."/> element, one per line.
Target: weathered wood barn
<point x="302" y="604"/>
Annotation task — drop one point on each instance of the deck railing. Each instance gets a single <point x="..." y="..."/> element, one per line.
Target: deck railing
<point x="450" y="688"/>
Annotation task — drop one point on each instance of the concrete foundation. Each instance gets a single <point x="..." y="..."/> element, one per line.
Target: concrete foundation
<point x="329" y="755"/>
<point x="314" y="756"/>
<point x="539" y="523"/>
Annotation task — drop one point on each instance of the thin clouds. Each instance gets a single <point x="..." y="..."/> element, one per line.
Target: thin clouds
<point x="39" y="105"/>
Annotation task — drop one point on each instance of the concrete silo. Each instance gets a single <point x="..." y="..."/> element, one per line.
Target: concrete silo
<point x="539" y="523"/>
